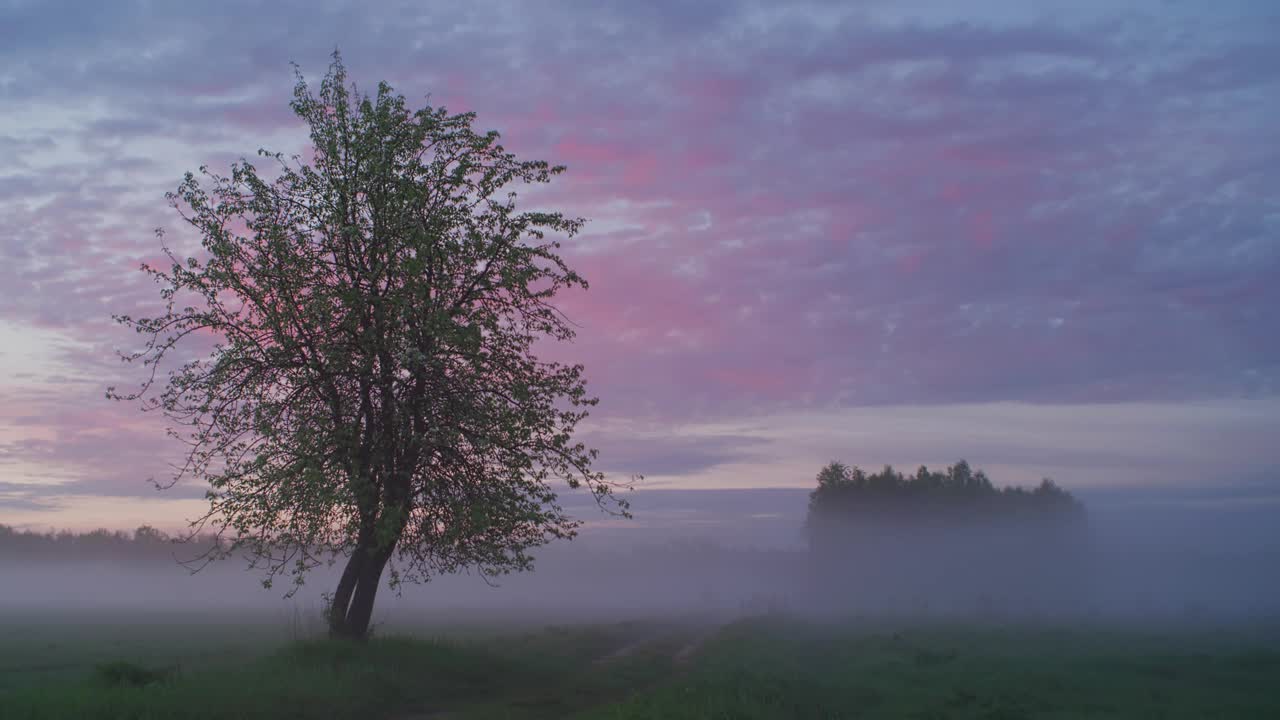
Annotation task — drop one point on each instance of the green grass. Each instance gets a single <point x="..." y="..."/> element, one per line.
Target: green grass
<point x="42" y="647"/>
<point x="127" y="668"/>
<point x="142" y="668"/>
<point x="775" y="669"/>
<point x="316" y="679"/>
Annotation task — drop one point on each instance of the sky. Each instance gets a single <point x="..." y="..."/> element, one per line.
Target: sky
<point x="1044" y="237"/>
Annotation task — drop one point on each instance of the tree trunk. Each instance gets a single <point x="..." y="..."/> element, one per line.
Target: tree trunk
<point x="361" y="610"/>
<point x="341" y="601"/>
<point x="352" y="606"/>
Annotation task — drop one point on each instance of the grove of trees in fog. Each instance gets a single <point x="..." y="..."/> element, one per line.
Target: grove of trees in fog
<point x="944" y="539"/>
<point x="958" y="493"/>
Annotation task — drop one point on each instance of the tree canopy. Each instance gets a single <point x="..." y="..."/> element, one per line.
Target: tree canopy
<point x="373" y="389"/>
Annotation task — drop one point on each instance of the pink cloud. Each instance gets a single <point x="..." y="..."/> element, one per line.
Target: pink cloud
<point x="944" y="220"/>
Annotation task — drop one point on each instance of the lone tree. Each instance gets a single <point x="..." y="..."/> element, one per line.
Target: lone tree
<point x="373" y="391"/>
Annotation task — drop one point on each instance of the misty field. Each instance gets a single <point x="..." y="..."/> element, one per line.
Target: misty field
<point x="466" y="666"/>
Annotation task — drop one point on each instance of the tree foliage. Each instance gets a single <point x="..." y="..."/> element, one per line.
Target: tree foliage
<point x="374" y="390"/>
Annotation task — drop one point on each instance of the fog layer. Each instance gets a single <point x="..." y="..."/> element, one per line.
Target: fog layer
<point x="1141" y="556"/>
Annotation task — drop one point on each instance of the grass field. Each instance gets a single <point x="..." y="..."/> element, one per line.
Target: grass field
<point x="188" y="666"/>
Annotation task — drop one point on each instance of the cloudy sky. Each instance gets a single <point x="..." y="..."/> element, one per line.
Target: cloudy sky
<point x="1041" y="236"/>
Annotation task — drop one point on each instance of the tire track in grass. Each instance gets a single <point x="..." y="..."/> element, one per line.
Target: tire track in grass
<point x="659" y="655"/>
<point x="625" y="651"/>
<point x="625" y="654"/>
<point x="684" y="656"/>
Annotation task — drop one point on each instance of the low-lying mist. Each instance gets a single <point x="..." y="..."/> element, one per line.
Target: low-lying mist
<point x="1130" y="561"/>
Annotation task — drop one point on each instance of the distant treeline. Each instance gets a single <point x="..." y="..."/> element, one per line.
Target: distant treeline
<point x="959" y="493"/>
<point x="947" y="537"/>
<point x="144" y="544"/>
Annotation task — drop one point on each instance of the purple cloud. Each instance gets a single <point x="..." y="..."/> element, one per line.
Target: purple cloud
<point x="814" y="207"/>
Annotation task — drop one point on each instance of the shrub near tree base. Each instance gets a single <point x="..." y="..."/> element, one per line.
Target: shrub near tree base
<point x="945" y="541"/>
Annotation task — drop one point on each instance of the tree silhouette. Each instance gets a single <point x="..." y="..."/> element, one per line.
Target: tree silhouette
<point x="374" y="390"/>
